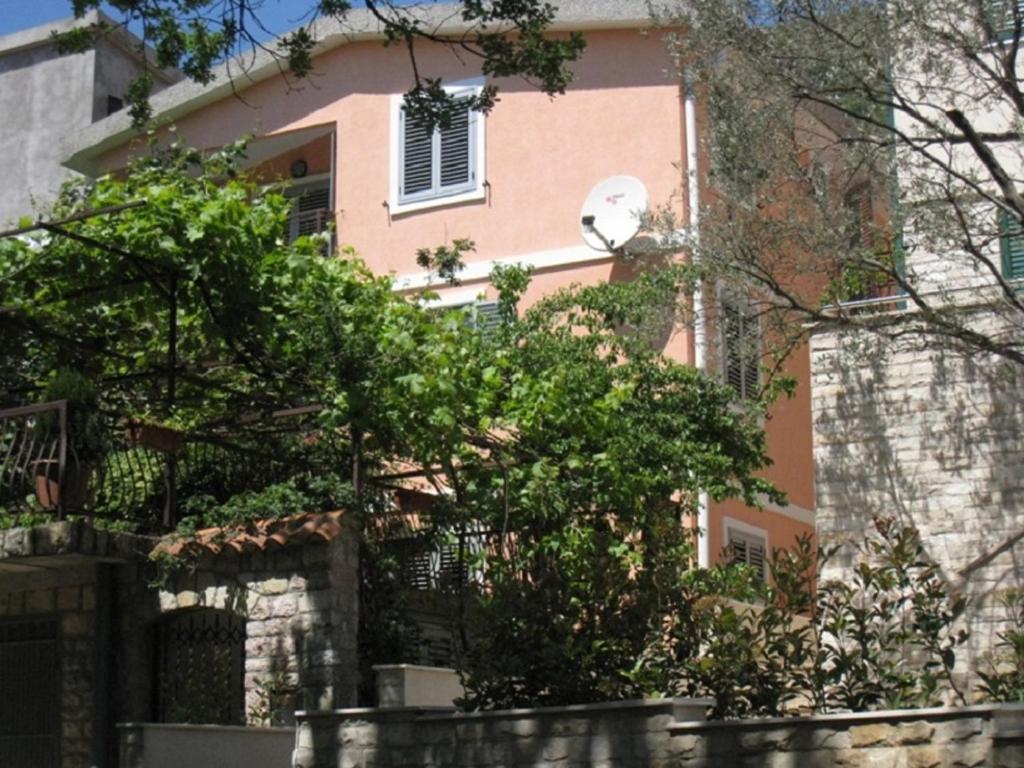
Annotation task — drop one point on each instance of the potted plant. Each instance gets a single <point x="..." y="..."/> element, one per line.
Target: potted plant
<point x="86" y="442"/>
<point x="146" y="431"/>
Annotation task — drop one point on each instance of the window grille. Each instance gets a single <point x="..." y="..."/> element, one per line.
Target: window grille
<point x="201" y="658"/>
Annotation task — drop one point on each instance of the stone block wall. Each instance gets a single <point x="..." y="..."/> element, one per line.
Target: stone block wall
<point x="650" y="733"/>
<point x="68" y="596"/>
<point x="933" y="438"/>
<point x="937" y="738"/>
<point x="300" y="610"/>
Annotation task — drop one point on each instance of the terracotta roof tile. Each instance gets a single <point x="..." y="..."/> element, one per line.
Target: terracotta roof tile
<point x="259" y="535"/>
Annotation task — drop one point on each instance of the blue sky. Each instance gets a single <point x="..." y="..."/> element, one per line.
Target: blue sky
<point x="278" y="15"/>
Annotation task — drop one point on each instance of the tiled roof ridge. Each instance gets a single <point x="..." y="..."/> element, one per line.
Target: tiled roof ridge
<point x="258" y="535"/>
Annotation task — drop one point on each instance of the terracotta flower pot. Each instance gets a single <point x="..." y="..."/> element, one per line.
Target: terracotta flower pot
<point x="75" y="493"/>
<point x="155" y="436"/>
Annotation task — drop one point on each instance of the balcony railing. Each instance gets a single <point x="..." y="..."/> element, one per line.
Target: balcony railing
<point x="132" y="484"/>
<point x="430" y="559"/>
<point x="34" y="457"/>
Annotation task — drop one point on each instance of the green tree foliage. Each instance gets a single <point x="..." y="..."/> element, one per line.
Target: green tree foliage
<point x="565" y="451"/>
<point x="887" y="639"/>
<point x="195" y="36"/>
<point x="562" y="433"/>
<point x="854" y="146"/>
<point x="1003" y="678"/>
<point x="574" y="451"/>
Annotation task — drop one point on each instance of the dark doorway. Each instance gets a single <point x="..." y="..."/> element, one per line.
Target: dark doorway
<point x="29" y="694"/>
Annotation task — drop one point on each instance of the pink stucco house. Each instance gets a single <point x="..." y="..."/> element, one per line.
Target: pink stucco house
<point x="513" y="181"/>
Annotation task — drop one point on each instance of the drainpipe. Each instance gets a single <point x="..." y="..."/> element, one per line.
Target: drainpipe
<point x="699" y="313"/>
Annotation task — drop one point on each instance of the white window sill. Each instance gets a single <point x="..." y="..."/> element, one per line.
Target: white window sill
<point x="473" y="195"/>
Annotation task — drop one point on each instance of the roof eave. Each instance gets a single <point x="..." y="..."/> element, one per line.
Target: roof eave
<point x="84" y="149"/>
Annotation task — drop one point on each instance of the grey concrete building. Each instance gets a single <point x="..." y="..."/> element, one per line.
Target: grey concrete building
<point x="46" y="96"/>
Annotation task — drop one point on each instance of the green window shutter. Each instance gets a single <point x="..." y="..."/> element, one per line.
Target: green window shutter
<point x="1011" y="243"/>
<point x="1001" y="15"/>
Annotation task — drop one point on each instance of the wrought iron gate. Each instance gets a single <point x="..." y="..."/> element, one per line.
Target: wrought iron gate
<point x="29" y="694"/>
<point x="201" y="658"/>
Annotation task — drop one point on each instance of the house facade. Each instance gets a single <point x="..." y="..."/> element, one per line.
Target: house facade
<point x="46" y="95"/>
<point x="927" y="428"/>
<point x="512" y="181"/>
<point x="273" y="602"/>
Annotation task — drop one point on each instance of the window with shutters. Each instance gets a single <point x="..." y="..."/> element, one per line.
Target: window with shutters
<point x="441" y="165"/>
<point x="311" y="212"/>
<point x="1011" y="244"/>
<point x="741" y="345"/>
<point x="485" y="315"/>
<point x="747" y="548"/>
<point x="444" y="562"/>
<point x="1003" y="16"/>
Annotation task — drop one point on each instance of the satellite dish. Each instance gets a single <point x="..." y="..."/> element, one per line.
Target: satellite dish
<point x="610" y="216"/>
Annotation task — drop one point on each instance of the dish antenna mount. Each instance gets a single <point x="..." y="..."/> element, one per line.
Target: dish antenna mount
<point x="610" y="216"/>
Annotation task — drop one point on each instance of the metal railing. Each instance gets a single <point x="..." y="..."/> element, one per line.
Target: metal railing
<point x="429" y="558"/>
<point x="34" y="457"/>
<point x="128" y="481"/>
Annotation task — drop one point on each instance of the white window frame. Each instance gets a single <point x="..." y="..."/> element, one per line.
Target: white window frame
<point x="471" y="87"/>
<point x="749" y="531"/>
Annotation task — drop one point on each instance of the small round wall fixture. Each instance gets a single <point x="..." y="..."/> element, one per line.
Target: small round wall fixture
<point x="610" y="216"/>
<point x="299" y="169"/>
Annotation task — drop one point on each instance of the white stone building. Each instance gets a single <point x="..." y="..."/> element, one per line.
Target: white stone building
<point x="930" y="429"/>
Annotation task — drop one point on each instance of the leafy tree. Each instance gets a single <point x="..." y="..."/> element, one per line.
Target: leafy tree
<point x="564" y="449"/>
<point x="568" y="453"/>
<point x="887" y="639"/>
<point x="864" y="149"/>
<point x="507" y="38"/>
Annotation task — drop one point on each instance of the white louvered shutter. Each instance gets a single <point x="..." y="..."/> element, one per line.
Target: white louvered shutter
<point x="486" y="315"/>
<point x="311" y="210"/>
<point x="438" y="163"/>
<point x="417" y="158"/>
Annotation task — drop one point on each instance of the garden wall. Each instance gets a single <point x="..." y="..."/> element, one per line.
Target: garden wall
<point x="933" y="438"/>
<point x="154" y="745"/>
<point x="295" y="598"/>
<point x="657" y="732"/>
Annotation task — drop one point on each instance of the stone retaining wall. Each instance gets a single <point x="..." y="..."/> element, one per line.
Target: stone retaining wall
<point x="937" y="738"/>
<point x="151" y="745"/>
<point x="932" y="438"/>
<point x="300" y="609"/>
<point x="658" y="732"/>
